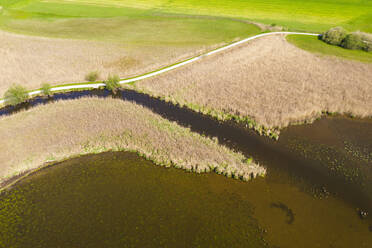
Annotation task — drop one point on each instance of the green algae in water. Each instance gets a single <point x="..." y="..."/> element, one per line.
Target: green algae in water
<point x="99" y="201"/>
<point x="121" y="200"/>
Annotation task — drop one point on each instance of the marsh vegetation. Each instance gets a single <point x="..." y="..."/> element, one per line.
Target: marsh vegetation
<point x="62" y="42"/>
<point x="316" y="177"/>
<point x="70" y="128"/>
<point x="267" y="84"/>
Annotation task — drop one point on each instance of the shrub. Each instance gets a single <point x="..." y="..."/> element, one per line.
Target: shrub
<point x="92" y="76"/>
<point x="367" y="41"/>
<point x="368" y="47"/>
<point x="46" y="89"/>
<point x="334" y="36"/>
<point x="16" y="94"/>
<point x="353" y="41"/>
<point x="112" y="83"/>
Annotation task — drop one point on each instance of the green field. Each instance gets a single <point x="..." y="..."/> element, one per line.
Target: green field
<point x="306" y="15"/>
<point x="313" y="44"/>
<point x="184" y="23"/>
<point x="52" y="17"/>
<point x="65" y="19"/>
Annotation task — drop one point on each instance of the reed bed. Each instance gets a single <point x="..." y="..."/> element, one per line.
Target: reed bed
<point x="267" y="84"/>
<point x="31" y="61"/>
<point x="64" y="129"/>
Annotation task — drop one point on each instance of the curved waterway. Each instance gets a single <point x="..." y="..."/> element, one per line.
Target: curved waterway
<point x="122" y="200"/>
<point x="318" y="186"/>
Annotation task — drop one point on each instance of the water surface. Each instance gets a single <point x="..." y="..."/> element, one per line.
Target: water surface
<point x="121" y="200"/>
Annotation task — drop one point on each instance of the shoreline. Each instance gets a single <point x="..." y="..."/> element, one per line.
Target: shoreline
<point x="115" y="125"/>
<point x="243" y="121"/>
<point x="252" y="145"/>
<point x="9" y="182"/>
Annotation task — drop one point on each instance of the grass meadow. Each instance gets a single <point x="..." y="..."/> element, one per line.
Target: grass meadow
<point x="305" y="15"/>
<point x="131" y="26"/>
<point x="269" y="84"/>
<point x="64" y="129"/>
<point x="315" y="45"/>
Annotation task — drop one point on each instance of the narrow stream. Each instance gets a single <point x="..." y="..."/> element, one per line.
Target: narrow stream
<point x="318" y="185"/>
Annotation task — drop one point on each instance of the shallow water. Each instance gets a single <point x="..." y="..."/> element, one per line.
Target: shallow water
<point x="327" y="150"/>
<point x="319" y="180"/>
<point x="121" y="200"/>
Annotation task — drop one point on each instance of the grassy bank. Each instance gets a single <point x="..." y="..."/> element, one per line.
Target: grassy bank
<point x="63" y="129"/>
<point x="313" y="44"/>
<point x="267" y="84"/>
<point x="312" y="15"/>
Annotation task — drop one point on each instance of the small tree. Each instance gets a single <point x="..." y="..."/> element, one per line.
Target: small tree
<point x="16" y="94"/>
<point x="334" y="36"/>
<point x="92" y="76"/>
<point x="112" y="83"/>
<point x="46" y="89"/>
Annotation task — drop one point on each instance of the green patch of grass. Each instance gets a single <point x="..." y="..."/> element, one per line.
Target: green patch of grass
<point x="119" y="24"/>
<point x="304" y="15"/>
<point x="313" y="44"/>
<point x="310" y="15"/>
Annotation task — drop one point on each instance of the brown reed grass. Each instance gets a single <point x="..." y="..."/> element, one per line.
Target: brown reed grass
<point x="270" y="81"/>
<point x="31" y="61"/>
<point x="90" y="125"/>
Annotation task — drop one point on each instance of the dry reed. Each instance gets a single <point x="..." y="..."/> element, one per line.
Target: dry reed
<point x="269" y="81"/>
<point x="63" y="129"/>
<point x="31" y="61"/>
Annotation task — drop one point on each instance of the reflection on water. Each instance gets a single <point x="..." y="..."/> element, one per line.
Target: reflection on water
<point x="121" y="200"/>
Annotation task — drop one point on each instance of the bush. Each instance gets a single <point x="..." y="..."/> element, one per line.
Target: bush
<point x="353" y="41"/>
<point x="334" y="36"/>
<point x="46" y="89"/>
<point x="367" y="41"/>
<point x="368" y="47"/>
<point x="112" y="83"/>
<point x="92" y="76"/>
<point x="16" y="94"/>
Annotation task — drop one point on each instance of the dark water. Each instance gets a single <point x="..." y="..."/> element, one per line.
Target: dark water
<point x="121" y="200"/>
<point x="319" y="178"/>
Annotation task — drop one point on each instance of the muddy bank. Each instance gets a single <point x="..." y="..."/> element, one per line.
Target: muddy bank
<point x="320" y="154"/>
